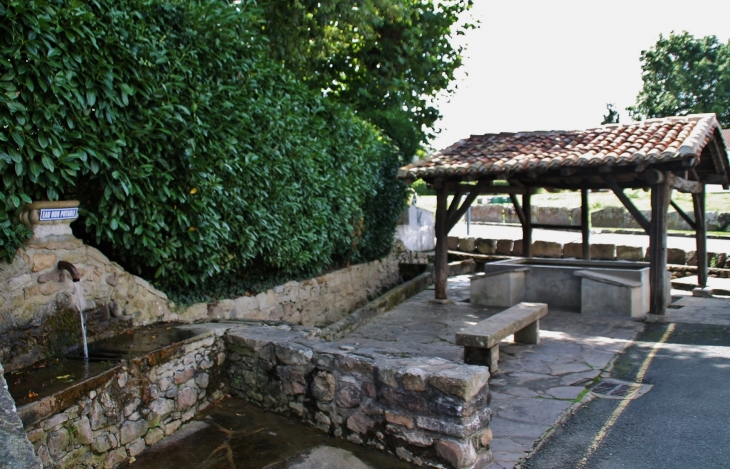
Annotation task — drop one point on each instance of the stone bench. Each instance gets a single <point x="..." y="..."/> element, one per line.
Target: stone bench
<point x="481" y="342"/>
<point x="611" y="293"/>
<point x="503" y="287"/>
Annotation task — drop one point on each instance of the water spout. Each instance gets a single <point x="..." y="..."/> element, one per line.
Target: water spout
<point x="79" y="297"/>
<point x="71" y="269"/>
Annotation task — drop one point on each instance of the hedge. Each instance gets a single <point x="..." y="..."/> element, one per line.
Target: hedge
<point x="198" y="161"/>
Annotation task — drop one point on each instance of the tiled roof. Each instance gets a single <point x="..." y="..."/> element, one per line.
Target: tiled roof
<point x="649" y="141"/>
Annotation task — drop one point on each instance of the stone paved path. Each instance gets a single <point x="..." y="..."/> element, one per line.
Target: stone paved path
<point x="536" y="384"/>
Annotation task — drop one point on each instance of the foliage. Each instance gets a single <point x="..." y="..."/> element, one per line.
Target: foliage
<point x="385" y="58"/>
<point x="612" y="117"/>
<point x="684" y="75"/>
<point x="197" y="159"/>
<point x="420" y="188"/>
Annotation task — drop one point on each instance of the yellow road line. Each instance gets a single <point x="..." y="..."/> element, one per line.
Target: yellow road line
<point x="624" y="403"/>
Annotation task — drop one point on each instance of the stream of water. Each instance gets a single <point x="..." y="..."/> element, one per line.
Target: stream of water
<point x="81" y="306"/>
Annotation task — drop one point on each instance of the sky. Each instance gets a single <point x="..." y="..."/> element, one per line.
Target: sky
<point x="554" y="64"/>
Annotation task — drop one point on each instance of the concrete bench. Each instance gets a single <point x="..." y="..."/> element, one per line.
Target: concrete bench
<point x="502" y="287"/>
<point x="481" y="342"/>
<point x="611" y="293"/>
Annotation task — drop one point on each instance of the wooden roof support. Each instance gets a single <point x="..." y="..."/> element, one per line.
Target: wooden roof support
<point x="585" y="223"/>
<point x="682" y="214"/>
<point x="455" y="216"/>
<point x="698" y="200"/>
<point x="661" y="194"/>
<point x="638" y="216"/>
<point x="441" y="262"/>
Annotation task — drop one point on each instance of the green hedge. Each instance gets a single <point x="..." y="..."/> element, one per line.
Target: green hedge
<point x="196" y="158"/>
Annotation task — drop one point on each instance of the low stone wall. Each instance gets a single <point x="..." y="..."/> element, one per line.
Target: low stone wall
<point x="314" y="302"/>
<point x="36" y="309"/>
<point x="599" y="251"/>
<point x="135" y="407"/>
<point x="428" y="411"/>
<point x="609" y="217"/>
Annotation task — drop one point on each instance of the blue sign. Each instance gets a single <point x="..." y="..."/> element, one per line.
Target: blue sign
<point x="48" y="214"/>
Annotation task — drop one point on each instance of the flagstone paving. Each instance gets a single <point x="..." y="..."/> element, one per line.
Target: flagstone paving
<point x="536" y="385"/>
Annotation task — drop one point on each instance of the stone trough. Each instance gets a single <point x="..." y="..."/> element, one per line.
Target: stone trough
<point x="591" y="287"/>
<point x="101" y="413"/>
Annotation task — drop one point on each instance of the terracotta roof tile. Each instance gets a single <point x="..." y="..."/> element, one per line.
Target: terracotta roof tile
<point x="650" y="141"/>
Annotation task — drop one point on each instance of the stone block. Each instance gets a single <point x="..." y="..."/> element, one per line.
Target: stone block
<point x="676" y="256"/>
<point x="360" y="423"/>
<point x="83" y="432"/>
<point x="486" y="246"/>
<point x="547" y="249"/>
<point x="510" y="216"/>
<point x="629" y="253"/>
<point x="503" y="289"/>
<point x="348" y="397"/>
<point x="491" y="213"/>
<point x="153" y="436"/>
<point x="323" y="386"/>
<point x="575" y="216"/>
<point x="453" y="243"/>
<point x="630" y="221"/>
<point x="43" y="261"/>
<point x="676" y="222"/>
<point x="130" y="430"/>
<point x="186" y="398"/>
<point x="160" y="409"/>
<point x="517" y="248"/>
<point x="552" y="215"/>
<point x="573" y="250"/>
<point x="293" y="354"/>
<point x="603" y="252"/>
<point x="467" y="244"/>
<point x="462" y="381"/>
<point x="459" y="454"/>
<point x="58" y="440"/>
<point x="505" y="246"/>
<point x="609" y="217"/>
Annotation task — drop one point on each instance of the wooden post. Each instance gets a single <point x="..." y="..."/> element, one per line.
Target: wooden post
<point x="441" y="263"/>
<point x="698" y="201"/>
<point x="661" y="194"/>
<point x="585" y="223"/>
<point x="527" y="225"/>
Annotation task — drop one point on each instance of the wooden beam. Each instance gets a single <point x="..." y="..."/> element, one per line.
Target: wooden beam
<point x="661" y="194"/>
<point x="654" y="177"/>
<point x="723" y="162"/>
<point x="441" y="262"/>
<point x="619" y="192"/>
<point x="546" y="226"/>
<point x="454" y="217"/>
<point x="518" y="208"/>
<point x="454" y="187"/>
<point x="682" y="214"/>
<point x="585" y="223"/>
<point x="454" y="205"/>
<point x="683" y="185"/>
<point x="698" y="200"/>
<point x="527" y="226"/>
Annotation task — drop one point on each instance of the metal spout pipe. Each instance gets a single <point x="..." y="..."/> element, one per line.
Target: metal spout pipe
<point x="71" y="269"/>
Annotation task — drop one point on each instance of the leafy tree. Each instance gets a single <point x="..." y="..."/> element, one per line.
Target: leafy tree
<point x="197" y="159"/>
<point x="612" y="117"/>
<point x="684" y="75"/>
<point x="385" y="58"/>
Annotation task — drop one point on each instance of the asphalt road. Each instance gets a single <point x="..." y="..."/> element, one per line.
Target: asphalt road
<point x="683" y="422"/>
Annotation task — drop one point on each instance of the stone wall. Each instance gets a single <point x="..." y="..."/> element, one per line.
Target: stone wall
<point x="608" y="217"/>
<point x="428" y="411"/>
<point x="15" y="449"/>
<point x="36" y="307"/>
<point x="150" y="398"/>
<point x="313" y="302"/>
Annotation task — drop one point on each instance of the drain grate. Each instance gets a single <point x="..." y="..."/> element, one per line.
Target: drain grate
<point x="615" y="389"/>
